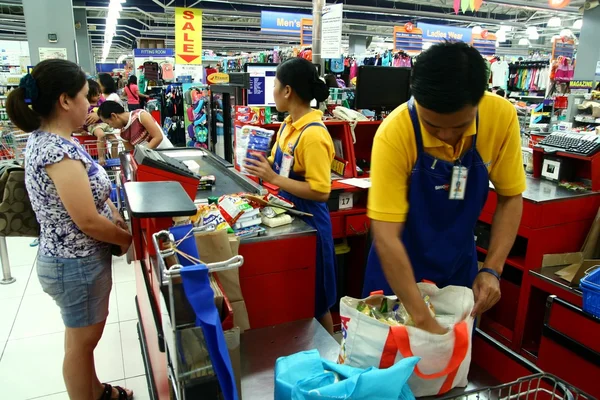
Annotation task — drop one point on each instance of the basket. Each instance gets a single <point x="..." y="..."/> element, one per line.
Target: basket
<point x="590" y="286"/>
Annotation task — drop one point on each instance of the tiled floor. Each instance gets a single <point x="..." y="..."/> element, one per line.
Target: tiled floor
<point x="31" y="334"/>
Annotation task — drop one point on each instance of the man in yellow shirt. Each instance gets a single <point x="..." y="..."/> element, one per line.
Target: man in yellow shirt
<point x="432" y="161"/>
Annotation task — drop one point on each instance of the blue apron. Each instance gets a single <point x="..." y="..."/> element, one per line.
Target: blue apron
<point x="325" y="288"/>
<point x="438" y="233"/>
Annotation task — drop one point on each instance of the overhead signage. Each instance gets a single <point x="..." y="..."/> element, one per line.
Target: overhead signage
<point x="558" y="3"/>
<point x="306" y="32"/>
<point x="440" y="33"/>
<point x="563" y="47"/>
<point x="276" y="22"/>
<point x="331" y="31"/>
<point x="188" y="36"/>
<point x="485" y="43"/>
<point x="408" y="38"/>
<point x="47" y="53"/>
<point x="153" y="53"/>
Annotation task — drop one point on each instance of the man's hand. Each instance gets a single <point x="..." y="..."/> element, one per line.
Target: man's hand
<point x="486" y="289"/>
<point x="431" y="325"/>
<point x="261" y="168"/>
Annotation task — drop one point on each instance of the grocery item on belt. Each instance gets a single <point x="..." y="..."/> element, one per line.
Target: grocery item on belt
<point x="210" y="214"/>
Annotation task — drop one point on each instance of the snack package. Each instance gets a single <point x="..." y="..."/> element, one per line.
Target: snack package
<point x="278" y="200"/>
<point x="211" y="215"/>
<point x="233" y="207"/>
<point x="391" y="312"/>
<point x="257" y="143"/>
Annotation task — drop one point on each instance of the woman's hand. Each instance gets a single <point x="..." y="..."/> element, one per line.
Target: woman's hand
<point x="261" y="168"/>
<point x="92" y="118"/>
<point x="119" y="221"/>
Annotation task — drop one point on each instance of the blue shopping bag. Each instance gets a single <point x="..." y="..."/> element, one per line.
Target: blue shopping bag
<point x="201" y="297"/>
<point x="305" y="376"/>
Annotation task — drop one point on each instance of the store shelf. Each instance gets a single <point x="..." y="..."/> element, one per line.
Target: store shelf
<point x="587" y="120"/>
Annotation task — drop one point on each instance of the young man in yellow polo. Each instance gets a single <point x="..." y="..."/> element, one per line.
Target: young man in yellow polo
<point x="432" y="161"/>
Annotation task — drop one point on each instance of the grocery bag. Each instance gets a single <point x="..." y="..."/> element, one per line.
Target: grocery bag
<point x="445" y="359"/>
<point x="305" y="376"/>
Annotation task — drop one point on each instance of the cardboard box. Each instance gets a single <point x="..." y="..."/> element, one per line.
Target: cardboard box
<point x="576" y="265"/>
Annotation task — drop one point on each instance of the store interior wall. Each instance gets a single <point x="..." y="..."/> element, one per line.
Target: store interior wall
<point x="588" y="51"/>
<point x="44" y="17"/>
<point x="84" y="45"/>
<point x="358" y="44"/>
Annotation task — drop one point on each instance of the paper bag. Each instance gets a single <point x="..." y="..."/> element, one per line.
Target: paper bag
<point x="218" y="246"/>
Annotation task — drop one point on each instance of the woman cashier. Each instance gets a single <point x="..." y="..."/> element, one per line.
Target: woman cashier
<point x="432" y="161"/>
<point x="300" y="166"/>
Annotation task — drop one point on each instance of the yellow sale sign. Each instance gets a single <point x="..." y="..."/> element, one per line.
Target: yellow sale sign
<point x="188" y="36"/>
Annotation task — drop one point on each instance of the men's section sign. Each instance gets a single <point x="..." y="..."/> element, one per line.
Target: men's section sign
<point x="188" y="36"/>
<point x="408" y="38"/>
<point x="306" y="32"/>
<point x="485" y="43"/>
<point x="331" y="32"/>
<point x="275" y="22"/>
<point x="440" y="33"/>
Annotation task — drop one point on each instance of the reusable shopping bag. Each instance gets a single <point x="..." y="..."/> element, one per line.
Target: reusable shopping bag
<point x="201" y="297"/>
<point x="305" y="376"/>
<point x="445" y="359"/>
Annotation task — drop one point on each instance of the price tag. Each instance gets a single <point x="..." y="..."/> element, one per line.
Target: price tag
<point x="346" y="201"/>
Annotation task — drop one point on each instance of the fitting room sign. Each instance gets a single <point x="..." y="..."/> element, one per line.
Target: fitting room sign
<point x="188" y="36"/>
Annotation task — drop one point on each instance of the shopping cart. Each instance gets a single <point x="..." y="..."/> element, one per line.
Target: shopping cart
<point x="107" y="154"/>
<point x="189" y="361"/>
<point x="12" y="146"/>
<point x="535" y="387"/>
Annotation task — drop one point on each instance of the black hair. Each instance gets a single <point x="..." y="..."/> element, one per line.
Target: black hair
<point x="331" y="81"/>
<point x="94" y="89"/>
<point x="38" y="93"/>
<point x="108" y="83"/>
<point x="132" y="80"/>
<point x="449" y="76"/>
<point x="109" y="108"/>
<point x="301" y="75"/>
<point x="500" y="92"/>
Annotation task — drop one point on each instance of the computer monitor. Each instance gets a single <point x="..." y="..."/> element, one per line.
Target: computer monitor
<point x="382" y="88"/>
<point x="262" y="84"/>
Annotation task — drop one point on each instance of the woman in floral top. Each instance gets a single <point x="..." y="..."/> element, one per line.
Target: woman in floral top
<point x="69" y="193"/>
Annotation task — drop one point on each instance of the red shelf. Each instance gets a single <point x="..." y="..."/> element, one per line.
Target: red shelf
<point x="516" y="262"/>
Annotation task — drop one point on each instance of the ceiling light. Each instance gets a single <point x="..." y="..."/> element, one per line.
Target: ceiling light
<point x="534" y="36"/>
<point x="566" y="33"/>
<point x="501" y="36"/>
<point x="554" y="22"/>
<point x="505" y="28"/>
<point x="530" y="30"/>
<point x="477" y="30"/>
<point x="523" y="42"/>
<point x="578" y="24"/>
<point x="555" y="38"/>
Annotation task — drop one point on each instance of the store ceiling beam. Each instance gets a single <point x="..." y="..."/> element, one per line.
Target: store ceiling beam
<point x="537" y="6"/>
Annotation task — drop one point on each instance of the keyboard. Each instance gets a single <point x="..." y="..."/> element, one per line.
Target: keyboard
<point x="155" y="159"/>
<point x="580" y="144"/>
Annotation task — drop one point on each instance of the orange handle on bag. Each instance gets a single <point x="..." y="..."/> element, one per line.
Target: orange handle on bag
<point x="398" y="341"/>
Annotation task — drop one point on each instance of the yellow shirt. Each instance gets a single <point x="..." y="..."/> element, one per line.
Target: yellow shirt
<point x="395" y="153"/>
<point x="314" y="152"/>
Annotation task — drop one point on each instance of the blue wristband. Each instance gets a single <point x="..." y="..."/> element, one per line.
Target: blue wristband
<point x="490" y="271"/>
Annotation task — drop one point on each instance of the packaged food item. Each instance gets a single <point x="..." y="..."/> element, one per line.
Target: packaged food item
<point x="257" y="143"/>
<point x="211" y="215"/>
<point x="233" y="207"/>
<point x="392" y="313"/>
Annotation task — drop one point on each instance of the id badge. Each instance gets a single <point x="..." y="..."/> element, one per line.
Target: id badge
<point x="286" y="165"/>
<point x="458" y="185"/>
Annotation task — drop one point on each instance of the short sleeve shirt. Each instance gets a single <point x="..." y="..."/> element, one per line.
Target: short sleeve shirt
<point x="59" y="235"/>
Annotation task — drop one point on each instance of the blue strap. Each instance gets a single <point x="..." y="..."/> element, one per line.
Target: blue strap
<point x="416" y="124"/>
<point x="490" y="271"/>
<point x="201" y="297"/>
<point x="305" y="128"/>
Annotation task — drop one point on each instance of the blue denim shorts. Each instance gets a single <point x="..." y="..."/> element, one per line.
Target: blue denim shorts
<point x="80" y="286"/>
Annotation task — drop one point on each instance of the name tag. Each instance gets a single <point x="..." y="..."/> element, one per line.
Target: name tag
<point x="458" y="185"/>
<point x="287" y="162"/>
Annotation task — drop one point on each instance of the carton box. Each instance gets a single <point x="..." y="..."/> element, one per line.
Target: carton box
<point x="576" y="265"/>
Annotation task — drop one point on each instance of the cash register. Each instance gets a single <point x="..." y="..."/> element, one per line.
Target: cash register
<point x="152" y="166"/>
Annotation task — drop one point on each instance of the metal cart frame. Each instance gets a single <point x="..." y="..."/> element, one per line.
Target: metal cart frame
<point x="178" y="375"/>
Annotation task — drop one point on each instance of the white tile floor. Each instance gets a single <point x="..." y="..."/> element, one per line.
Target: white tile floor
<point x="31" y="334"/>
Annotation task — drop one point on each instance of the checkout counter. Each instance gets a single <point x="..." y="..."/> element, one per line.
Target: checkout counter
<point x="277" y="280"/>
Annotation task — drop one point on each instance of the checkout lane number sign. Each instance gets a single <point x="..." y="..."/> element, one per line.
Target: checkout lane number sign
<point x="346" y="201"/>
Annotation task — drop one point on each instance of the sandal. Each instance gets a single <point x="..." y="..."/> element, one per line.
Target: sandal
<point x="108" y="390"/>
